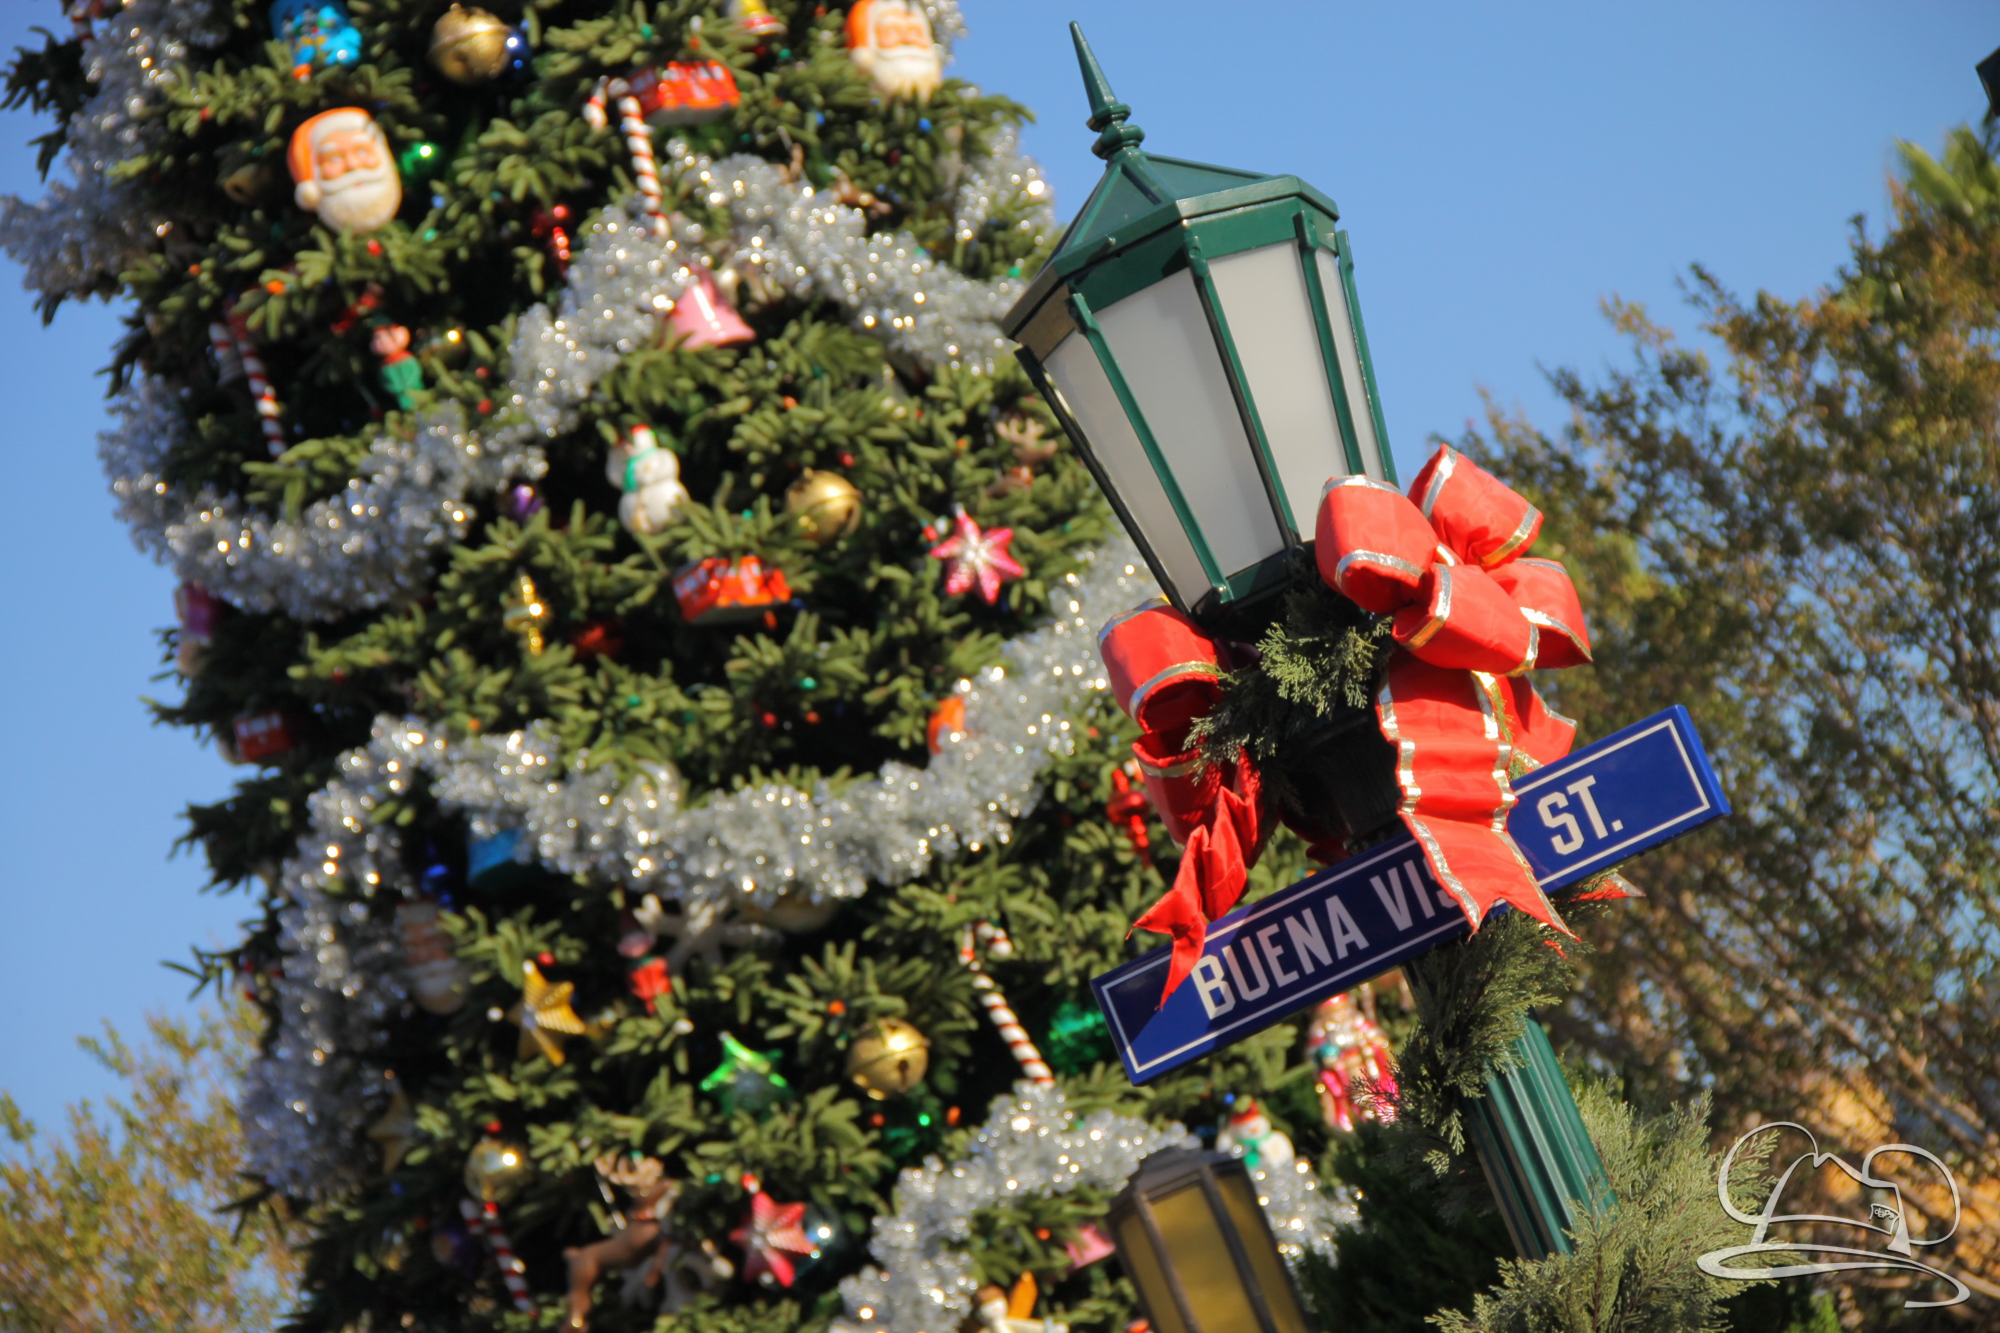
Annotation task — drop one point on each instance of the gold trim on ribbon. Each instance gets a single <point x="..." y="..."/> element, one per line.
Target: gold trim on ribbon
<point x="1447" y="464"/>
<point x="1383" y="558"/>
<point x="1493" y="710"/>
<point x="1406" y="778"/>
<point x="1406" y="750"/>
<point x="1534" y="647"/>
<point x="1171" y="771"/>
<point x="1357" y="479"/>
<point x="1150" y="604"/>
<point x="1442" y="602"/>
<point x="1515" y="542"/>
<point x="1159" y="678"/>
<point x="1547" y="621"/>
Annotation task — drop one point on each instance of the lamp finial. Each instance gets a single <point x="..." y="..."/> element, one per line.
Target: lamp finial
<point x="1107" y="114"/>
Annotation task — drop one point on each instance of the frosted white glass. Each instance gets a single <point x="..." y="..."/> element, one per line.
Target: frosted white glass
<point x="1264" y="298"/>
<point x="1093" y="404"/>
<point x="1349" y="350"/>
<point x="1161" y="340"/>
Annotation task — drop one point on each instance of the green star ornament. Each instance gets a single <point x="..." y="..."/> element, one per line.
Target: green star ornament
<point x="746" y="1080"/>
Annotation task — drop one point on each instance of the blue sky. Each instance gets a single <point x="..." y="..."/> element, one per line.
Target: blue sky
<point x="1501" y="169"/>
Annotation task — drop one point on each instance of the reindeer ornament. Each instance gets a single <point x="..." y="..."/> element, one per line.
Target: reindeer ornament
<point x="638" y="1243"/>
<point x="643" y="1248"/>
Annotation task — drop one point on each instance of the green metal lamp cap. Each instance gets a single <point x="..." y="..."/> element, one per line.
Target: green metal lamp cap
<point x="1107" y="114"/>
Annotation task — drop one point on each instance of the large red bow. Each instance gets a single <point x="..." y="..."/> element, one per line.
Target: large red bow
<point x="1473" y="614"/>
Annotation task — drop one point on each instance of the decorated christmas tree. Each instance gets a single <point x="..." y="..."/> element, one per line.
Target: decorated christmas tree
<point x="657" y="619"/>
<point x="692" y="794"/>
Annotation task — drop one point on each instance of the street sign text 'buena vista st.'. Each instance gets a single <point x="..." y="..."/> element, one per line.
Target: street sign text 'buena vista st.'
<point x="1335" y="929"/>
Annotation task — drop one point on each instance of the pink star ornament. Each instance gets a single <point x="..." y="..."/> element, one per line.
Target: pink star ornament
<point x="974" y="557"/>
<point x="770" y="1236"/>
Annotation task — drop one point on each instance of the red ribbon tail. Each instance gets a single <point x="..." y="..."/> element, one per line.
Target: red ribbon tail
<point x="1452" y="767"/>
<point x="1179" y="915"/>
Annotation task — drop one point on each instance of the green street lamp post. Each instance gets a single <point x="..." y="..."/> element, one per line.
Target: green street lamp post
<point x="1198" y="335"/>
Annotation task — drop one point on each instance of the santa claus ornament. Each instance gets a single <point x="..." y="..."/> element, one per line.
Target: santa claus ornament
<point x="436" y="979"/>
<point x="345" y="171"/>
<point x="890" y="41"/>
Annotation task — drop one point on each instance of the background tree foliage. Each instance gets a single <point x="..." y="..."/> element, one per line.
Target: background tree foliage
<point x="117" y="1225"/>
<point x="1800" y="544"/>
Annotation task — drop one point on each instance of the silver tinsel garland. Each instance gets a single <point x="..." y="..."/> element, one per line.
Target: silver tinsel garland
<point x="773" y="840"/>
<point x="369" y="543"/>
<point x="744" y="849"/>
<point x="77" y="239"/>
<point x="1032" y="1144"/>
<point x="305" y="1100"/>
<point x="810" y="243"/>
<point x="374" y="540"/>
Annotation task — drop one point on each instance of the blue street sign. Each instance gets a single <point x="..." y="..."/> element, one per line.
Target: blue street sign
<point x="1331" y="931"/>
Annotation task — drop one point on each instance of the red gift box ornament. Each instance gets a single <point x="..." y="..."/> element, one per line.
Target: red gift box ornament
<point x="261" y="736"/>
<point x="649" y="981"/>
<point x="717" y="591"/>
<point x="1472" y="614"/>
<point x="685" y="92"/>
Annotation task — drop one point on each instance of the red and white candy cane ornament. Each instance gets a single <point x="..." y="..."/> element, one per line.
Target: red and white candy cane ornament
<point x="260" y="382"/>
<point x="228" y="365"/>
<point x="638" y="142"/>
<point x="994" y="940"/>
<point x="483" y="1219"/>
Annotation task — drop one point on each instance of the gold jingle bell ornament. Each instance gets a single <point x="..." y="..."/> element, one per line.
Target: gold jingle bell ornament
<point x="826" y="504"/>
<point x="889" y="1058"/>
<point x="495" y="1171"/>
<point x="469" y="46"/>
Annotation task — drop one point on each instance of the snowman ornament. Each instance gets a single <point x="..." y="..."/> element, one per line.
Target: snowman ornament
<point x="1250" y="1135"/>
<point x="650" y="478"/>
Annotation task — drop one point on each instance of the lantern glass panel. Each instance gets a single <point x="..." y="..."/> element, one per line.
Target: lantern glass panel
<point x="1192" y="1236"/>
<point x="1239" y="1198"/>
<point x="1142" y="1265"/>
<point x="1270" y="316"/>
<point x="1087" y="393"/>
<point x="1348" y="347"/>
<point x="1161" y="339"/>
